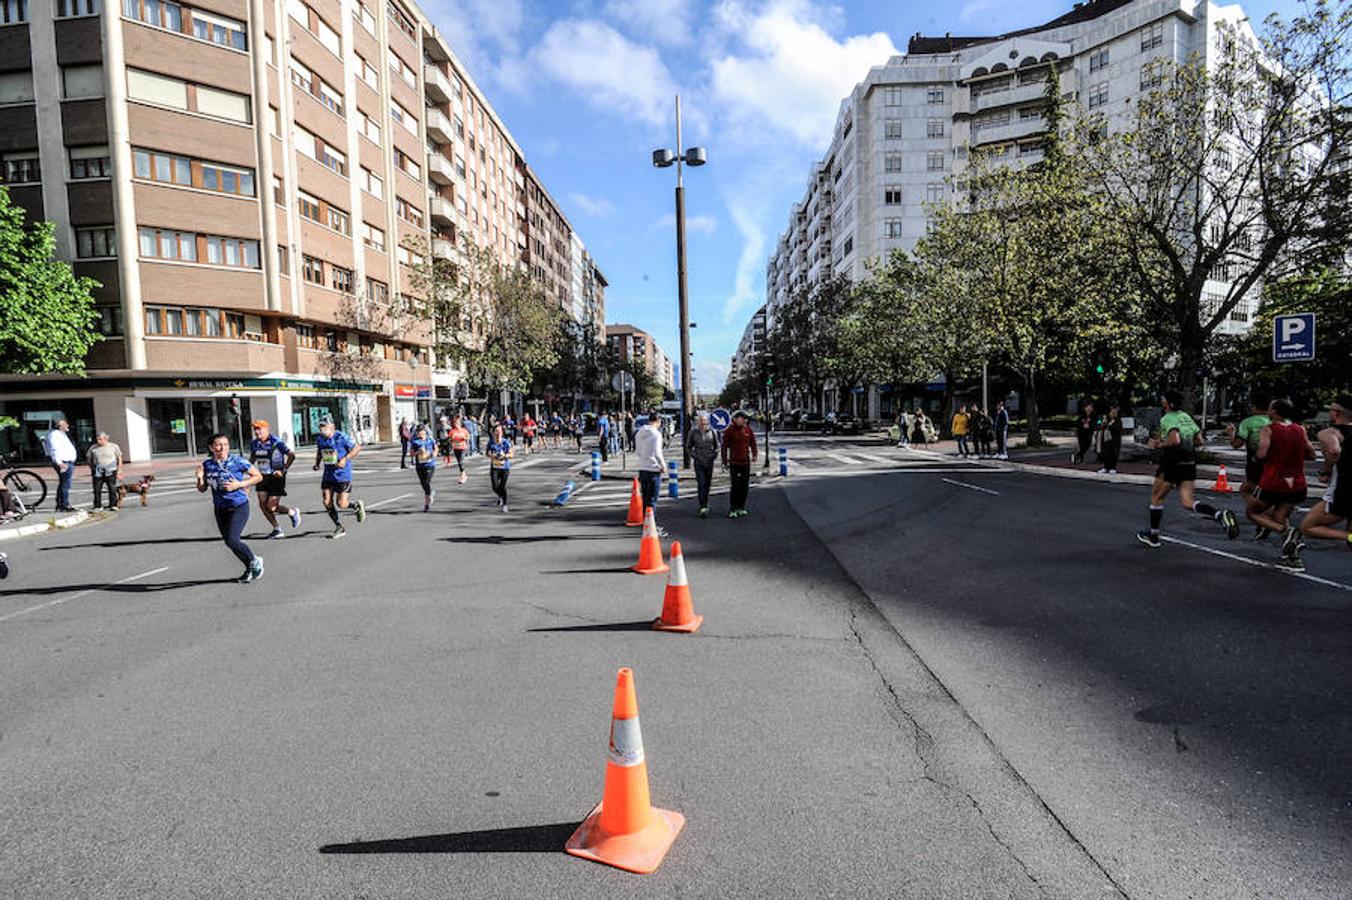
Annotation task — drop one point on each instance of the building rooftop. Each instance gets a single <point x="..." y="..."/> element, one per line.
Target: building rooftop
<point x="1081" y="12"/>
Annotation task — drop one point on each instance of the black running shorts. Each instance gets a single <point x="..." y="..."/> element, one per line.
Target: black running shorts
<point x="274" y="484"/>
<point x="338" y="487"/>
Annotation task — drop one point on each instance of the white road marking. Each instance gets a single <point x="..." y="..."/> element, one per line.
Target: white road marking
<point x="390" y="500"/>
<point x="1258" y="562"/>
<point x="971" y="487"/>
<point x="76" y="596"/>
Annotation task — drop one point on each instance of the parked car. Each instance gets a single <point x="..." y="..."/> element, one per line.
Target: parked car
<point x="809" y="421"/>
<point x="842" y="423"/>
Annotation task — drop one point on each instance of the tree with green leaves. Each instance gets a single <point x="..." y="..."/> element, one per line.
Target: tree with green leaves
<point x="803" y="338"/>
<point x="1231" y="176"/>
<point x="48" y="321"/>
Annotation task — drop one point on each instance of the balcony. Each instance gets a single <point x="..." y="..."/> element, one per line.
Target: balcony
<point x="1023" y="93"/>
<point x="439" y="126"/>
<point x="443" y="211"/>
<point x="443" y="249"/>
<point x="439" y="87"/>
<point x="999" y="133"/>
<point x="439" y="169"/>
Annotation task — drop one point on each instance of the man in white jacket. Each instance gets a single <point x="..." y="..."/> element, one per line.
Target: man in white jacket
<point x="651" y="464"/>
<point x="61" y="452"/>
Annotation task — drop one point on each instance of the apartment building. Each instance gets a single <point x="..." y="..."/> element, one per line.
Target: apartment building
<point x="914" y="120"/>
<point x="634" y="344"/>
<point x="253" y="184"/>
<point x="749" y="347"/>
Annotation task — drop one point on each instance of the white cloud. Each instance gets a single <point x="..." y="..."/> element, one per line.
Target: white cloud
<point x="485" y="34"/>
<point x="607" y="69"/>
<point x="710" y="375"/>
<point x="783" y="68"/>
<point x="699" y="224"/>
<point x="592" y="206"/>
<point x="748" y="286"/>
<point x="664" y="21"/>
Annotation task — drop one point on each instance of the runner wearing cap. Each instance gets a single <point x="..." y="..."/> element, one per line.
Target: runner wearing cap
<point x="739" y="453"/>
<point x="272" y="457"/>
<point x="335" y="452"/>
<point x="1336" y="504"/>
<point x="229" y="478"/>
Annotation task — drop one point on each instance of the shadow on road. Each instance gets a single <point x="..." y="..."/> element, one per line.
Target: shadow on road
<point x="117" y="588"/>
<point x="176" y="540"/>
<point x="525" y="839"/>
<point x="645" y="625"/>
<point x="599" y="570"/>
<point x="531" y="538"/>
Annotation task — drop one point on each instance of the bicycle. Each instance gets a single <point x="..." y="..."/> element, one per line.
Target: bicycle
<point x="27" y="487"/>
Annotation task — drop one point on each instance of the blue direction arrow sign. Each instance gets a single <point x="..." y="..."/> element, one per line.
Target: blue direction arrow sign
<point x="720" y="419"/>
<point x="1293" y="338"/>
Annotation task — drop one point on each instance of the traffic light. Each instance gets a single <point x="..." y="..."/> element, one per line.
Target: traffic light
<point x="1100" y="361"/>
<point x="769" y="367"/>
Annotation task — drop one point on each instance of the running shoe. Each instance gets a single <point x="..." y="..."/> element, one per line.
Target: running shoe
<point x="1148" y="538"/>
<point x="1231" y="524"/>
<point x="662" y="532"/>
<point x="361" y="511"/>
<point x="254" y="572"/>
<point x="1261" y="533"/>
<point x="704" y="512"/>
<point x="338" y="532"/>
<point x="276" y="533"/>
<point x="504" y="507"/>
<point x="295" y="518"/>
<point x="463" y="478"/>
<point x="1291" y="542"/>
<point x="732" y="514"/>
<point x="1291" y="563"/>
<point x="4" y="566"/>
<point x="431" y="498"/>
<point x="743" y="512"/>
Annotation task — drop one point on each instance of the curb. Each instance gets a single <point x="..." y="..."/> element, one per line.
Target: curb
<point x="38" y="527"/>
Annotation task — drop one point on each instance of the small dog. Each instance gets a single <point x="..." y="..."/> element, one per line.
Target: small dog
<point x="141" y="487"/>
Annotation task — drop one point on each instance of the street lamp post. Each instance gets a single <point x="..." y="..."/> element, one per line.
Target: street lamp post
<point x="694" y="156"/>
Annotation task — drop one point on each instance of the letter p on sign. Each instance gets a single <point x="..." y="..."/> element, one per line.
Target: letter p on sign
<point x="1293" y="338"/>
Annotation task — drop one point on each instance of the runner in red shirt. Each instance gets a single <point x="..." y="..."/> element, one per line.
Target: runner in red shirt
<point x="1283" y="446"/>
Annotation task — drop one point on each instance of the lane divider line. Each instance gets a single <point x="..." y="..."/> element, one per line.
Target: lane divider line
<point x="971" y="487"/>
<point x="1258" y="562"/>
<point x="76" y="596"/>
<point x="390" y="500"/>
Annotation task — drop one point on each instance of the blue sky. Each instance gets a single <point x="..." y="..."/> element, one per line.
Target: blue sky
<point x="587" y="88"/>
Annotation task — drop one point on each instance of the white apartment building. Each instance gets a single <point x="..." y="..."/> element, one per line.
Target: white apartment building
<point x="911" y="122"/>
<point x="749" y="347"/>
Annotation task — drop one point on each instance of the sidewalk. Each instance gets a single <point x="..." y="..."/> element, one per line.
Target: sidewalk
<point x="38" y="522"/>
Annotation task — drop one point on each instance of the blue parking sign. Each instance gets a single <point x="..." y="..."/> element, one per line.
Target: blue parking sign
<point x="1293" y="338"/>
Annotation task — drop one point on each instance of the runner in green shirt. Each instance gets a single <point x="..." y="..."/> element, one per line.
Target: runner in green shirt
<point x="1178" y="440"/>
<point x="1245" y="437"/>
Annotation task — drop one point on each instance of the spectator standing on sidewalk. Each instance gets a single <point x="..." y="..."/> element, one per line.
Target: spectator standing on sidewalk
<point x="1109" y="441"/>
<point x="903" y="429"/>
<point x="61" y="453"/>
<point x="918" y="427"/>
<point x="630" y="432"/>
<point x="961" y="421"/>
<point x="739" y="453"/>
<point x="703" y="444"/>
<point x="651" y="463"/>
<point x="1085" y="427"/>
<point x="603" y="436"/>
<point x="405" y="434"/>
<point x="1001" y="431"/>
<point x="105" y="466"/>
<point x="983" y="430"/>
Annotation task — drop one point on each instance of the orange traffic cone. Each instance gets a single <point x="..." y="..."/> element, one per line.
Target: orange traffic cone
<point x="625" y="830"/>
<point x="678" y="612"/>
<point x="649" y="548"/>
<point x="635" y="517"/>
<point x="1222" y="482"/>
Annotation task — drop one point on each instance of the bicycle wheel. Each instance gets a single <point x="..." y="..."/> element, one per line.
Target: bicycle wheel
<point x="28" y="486"/>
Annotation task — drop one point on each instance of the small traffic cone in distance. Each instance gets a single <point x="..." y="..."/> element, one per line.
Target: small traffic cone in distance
<point x="650" y="548"/>
<point x="678" y="612"/>
<point x="625" y="830"/>
<point x="635" y="517"/>
<point x="1222" y="481"/>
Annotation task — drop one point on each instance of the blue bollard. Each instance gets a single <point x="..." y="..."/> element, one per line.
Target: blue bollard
<point x="783" y="461"/>
<point x="596" y="465"/>
<point x="566" y="494"/>
<point x="673" y="481"/>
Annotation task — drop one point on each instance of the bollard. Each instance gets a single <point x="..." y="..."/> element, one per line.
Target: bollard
<point x="783" y="461"/>
<point x="673" y="482"/>
<point x="566" y="494"/>
<point x="596" y="465"/>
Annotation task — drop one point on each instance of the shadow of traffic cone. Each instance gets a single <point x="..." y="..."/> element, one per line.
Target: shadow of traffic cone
<point x="635" y="517"/>
<point x="649" y="548"/>
<point x="1222" y="482"/>
<point x="625" y="830"/>
<point x="678" y="612"/>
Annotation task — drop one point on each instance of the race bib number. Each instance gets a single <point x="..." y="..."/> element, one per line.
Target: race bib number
<point x="330" y="457"/>
<point x="423" y="455"/>
<point x="214" y="482"/>
<point x="264" y="466"/>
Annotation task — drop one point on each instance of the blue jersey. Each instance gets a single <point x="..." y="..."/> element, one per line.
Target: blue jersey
<point x="269" y="456"/>
<point x="424" y="452"/>
<point x="233" y="468"/>
<point x="498" y="451"/>
<point x="603" y="427"/>
<point x="332" y="449"/>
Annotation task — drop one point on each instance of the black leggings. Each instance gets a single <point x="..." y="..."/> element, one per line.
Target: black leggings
<point x="231" y="521"/>
<point x="498" y="478"/>
<point x="425" y="474"/>
<point x="460" y="459"/>
<point x="101" y="481"/>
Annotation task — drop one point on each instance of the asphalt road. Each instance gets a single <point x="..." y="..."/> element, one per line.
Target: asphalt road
<point x="904" y="687"/>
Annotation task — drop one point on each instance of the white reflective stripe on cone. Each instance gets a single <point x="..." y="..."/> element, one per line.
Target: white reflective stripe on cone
<point x="626" y="742"/>
<point x="649" y="524"/>
<point x="677" y="576"/>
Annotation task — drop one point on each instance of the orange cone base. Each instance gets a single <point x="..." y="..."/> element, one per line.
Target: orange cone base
<point x="640" y="852"/>
<point x="656" y="569"/>
<point x="688" y="628"/>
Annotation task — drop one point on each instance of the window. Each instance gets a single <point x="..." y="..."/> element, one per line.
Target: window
<point x="367" y="73"/>
<point x="1152" y="36"/>
<point x="171" y="92"/>
<point x="1098" y="95"/>
<point x="234" y="325"/>
<point x="892" y="196"/>
<point x="219" y="30"/>
<point x="90" y="162"/>
<point x="339" y="221"/>
<point x="401" y="20"/>
<point x="404" y="118"/>
<point x="312" y="270"/>
<point x="373" y="237"/>
<point x="892" y="162"/>
<point x="229" y="251"/>
<point x="316" y="87"/>
<point x="332" y="157"/>
<point x="892" y="96"/>
<point x="367" y="127"/>
<point x="848" y="246"/>
<point x="308" y="206"/>
<point x="283" y="260"/>
<point x="377" y="291"/>
<point x="1098" y="59"/>
<point x="934" y="128"/>
<point x="403" y="70"/>
<point x="305" y="337"/>
<point x="934" y="192"/>
<point x="21" y="168"/>
<point x="66" y="9"/>
<point x="408" y="212"/>
<point x="371" y="183"/>
<point x="407" y="165"/>
<point x="92" y="243"/>
<point x="892" y="129"/>
<point x="160" y="13"/>
<point x="78" y="82"/>
<point x="934" y="161"/>
<point x="1030" y="113"/>
<point x="328" y="37"/>
<point x="227" y="180"/>
<point x="182" y="170"/>
<point x="1152" y="76"/>
<point x="110" y="320"/>
<point x="892" y="228"/>
<point x="341" y="279"/>
<point x="13" y="11"/>
<point x="1029" y="149"/>
<point x="364" y="17"/>
<point x="159" y="243"/>
<point x="934" y="96"/>
<point x="16" y="87"/>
